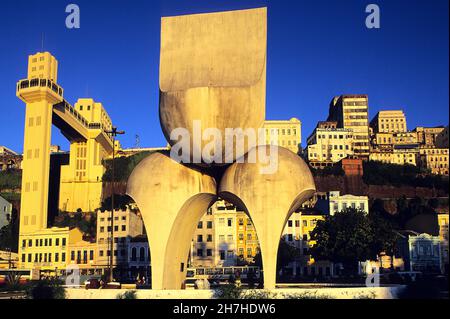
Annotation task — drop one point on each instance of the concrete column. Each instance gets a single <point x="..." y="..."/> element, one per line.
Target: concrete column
<point x="269" y="199"/>
<point x="172" y="198"/>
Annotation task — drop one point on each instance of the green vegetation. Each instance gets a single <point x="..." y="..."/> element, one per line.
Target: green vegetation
<point x="124" y="166"/>
<point x="131" y="294"/>
<point x="377" y="173"/>
<point x="46" y="289"/>
<point x="334" y="170"/>
<point x="10" y="179"/>
<point x="350" y="236"/>
<point x="120" y="202"/>
<point x="86" y="222"/>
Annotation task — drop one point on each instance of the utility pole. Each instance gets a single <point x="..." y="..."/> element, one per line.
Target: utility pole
<point x="113" y="133"/>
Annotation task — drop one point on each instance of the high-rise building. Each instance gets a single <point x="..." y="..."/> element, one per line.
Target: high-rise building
<point x="351" y="112"/>
<point x="389" y="122"/>
<point x="287" y="134"/>
<point x="81" y="179"/>
<point x="329" y="144"/>
<point x="86" y="131"/>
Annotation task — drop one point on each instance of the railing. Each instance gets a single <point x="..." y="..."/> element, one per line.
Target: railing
<point x="71" y="110"/>
<point x="25" y="84"/>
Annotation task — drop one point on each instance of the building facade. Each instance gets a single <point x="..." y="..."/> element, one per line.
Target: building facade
<point x="127" y="224"/>
<point x="435" y="159"/>
<point x="351" y="112"/>
<point x="338" y="202"/>
<point x="443" y="221"/>
<point x="427" y="136"/>
<point x="328" y="145"/>
<point x="392" y="121"/>
<point x="287" y="134"/>
<point x="421" y="252"/>
<point x="5" y="212"/>
<point x="81" y="179"/>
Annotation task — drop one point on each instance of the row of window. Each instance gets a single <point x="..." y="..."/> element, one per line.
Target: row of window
<point x="43" y="257"/>
<point x="116" y="228"/>
<point x="43" y="242"/>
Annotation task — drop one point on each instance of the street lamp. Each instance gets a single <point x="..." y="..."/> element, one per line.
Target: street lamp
<point x="113" y="133"/>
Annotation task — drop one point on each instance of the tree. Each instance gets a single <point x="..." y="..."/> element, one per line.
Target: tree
<point x="384" y="236"/>
<point x="286" y="254"/>
<point x="346" y="238"/>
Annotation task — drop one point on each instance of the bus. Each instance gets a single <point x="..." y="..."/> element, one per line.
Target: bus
<point x="222" y="274"/>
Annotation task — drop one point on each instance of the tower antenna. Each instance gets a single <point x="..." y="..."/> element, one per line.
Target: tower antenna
<point x="42" y="42"/>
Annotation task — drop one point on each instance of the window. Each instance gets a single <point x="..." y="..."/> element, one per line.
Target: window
<point x="230" y="238"/>
<point x="222" y="254"/>
<point x="72" y="255"/>
<point x="63" y="257"/>
<point x="124" y="227"/>
<point x="230" y="222"/>
<point x="289" y="223"/>
<point x="199" y="252"/>
<point x="200" y="225"/>
<point x="209" y="238"/>
<point x="141" y="254"/>
<point x="289" y="237"/>
<point x="91" y="255"/>
<point x="199" y="238"/>
<point x="209" y="252"/>
<point x="57" y="242"/>
<point x="64" y="242"/>
<point x="209" y="224"/>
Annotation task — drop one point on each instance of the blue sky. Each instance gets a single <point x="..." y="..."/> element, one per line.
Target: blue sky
<point x="316" y="49"/>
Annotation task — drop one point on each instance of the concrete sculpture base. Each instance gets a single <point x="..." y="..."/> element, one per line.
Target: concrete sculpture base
<point x="269" y="200"/>
<point x="172" y="198"/>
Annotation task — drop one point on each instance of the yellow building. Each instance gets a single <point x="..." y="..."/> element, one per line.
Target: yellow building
<point x="81" y="180"/>
<point x="287" y="134"/>
<point x="443" y="234"/>
<point x="85" y="127"/>
<point x="247" y="245"/>
<point x="40" y="92"/>
<point x="435" y="159"/>
<point x="351" y="112"/>
<point x="46" y="249"/>
<point x="389" y="122"/>
<point x="298" y="233"/>
<point x="398" y="156"/>
<point x="328" y="145"/>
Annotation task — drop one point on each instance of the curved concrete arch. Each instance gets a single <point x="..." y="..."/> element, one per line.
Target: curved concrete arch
<point x="268" y="199"/>
<point x="172" y="198"/>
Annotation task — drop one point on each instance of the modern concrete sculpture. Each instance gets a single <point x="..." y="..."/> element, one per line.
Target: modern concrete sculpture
<point x="268" y="199"/>
<point x="213" y="70"/>
<point x="172" y="198"/>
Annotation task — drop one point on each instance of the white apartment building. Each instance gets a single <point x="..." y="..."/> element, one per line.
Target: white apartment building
<point x="338" y="202"/>
<point x="5" y="212"/>
<point x="127" y="224"/>
<point x="329" y="144"/>
<point x="287" y="134"/>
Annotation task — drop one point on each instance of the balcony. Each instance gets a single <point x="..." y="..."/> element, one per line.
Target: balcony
<point x="37" y="89"/>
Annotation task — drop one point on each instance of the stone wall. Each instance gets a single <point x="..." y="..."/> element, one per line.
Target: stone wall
<point x="294" y="293"/>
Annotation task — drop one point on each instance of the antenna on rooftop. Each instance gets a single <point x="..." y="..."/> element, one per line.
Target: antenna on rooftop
<point x="137" y="143"/>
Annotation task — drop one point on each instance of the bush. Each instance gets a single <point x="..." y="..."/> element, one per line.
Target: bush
<point x="10" y="179"/>
<point x="131" y="294"/>
<point x="46" y="289"/>
<point x="229" y="291"/>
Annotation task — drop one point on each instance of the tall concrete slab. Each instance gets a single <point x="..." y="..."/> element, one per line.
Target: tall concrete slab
<point x="213" y="70"/>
